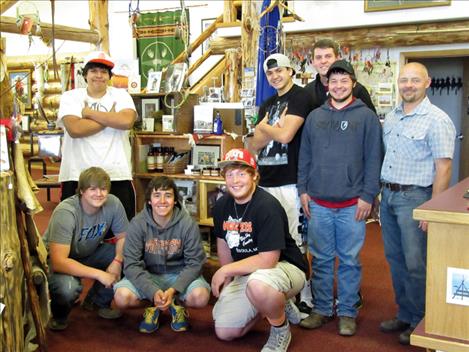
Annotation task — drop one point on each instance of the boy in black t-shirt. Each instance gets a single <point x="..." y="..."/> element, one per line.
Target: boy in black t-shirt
<point x="261" y="267"/>
<point x="277" y="138"/>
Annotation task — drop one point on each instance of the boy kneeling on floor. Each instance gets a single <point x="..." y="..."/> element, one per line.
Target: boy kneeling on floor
<point x="163" y="259"/>
<point x="74" y="238"/>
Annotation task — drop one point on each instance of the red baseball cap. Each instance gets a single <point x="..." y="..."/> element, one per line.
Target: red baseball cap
<point x="238" y="156"/>
<point x="99" y="57"/>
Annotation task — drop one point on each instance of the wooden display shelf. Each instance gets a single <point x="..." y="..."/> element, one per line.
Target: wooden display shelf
<point x="437" y="342"/>
<point x="150" y="175"/>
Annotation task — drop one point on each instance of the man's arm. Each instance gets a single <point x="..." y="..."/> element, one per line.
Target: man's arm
<point x="443" y="168"/>
<point x="78" y="127"/>
<point x="284" y="131"/>
<point x="122" y="120"/>
<point x="115" y="267"/>
<point x="230" y="268"/>
<point x="61" y="263"/>
<point x="258" y="141"/>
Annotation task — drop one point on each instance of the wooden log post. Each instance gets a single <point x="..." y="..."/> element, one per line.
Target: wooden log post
<point x="99" y="22"/>
<point x="6" y="102"/>
<point x="11" y="270"/>
<point x="231" y="75"/>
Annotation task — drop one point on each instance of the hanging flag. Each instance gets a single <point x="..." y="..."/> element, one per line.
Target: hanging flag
<point x="268" y="44"/>
<point x="157" y="41"/>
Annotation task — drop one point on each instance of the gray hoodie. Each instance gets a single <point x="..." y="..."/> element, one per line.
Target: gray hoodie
<point x="151" y="250"/>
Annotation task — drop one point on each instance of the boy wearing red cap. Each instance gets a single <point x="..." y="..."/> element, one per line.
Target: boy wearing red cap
<point x="261" y="266"/>
<point x="96" y="122"/>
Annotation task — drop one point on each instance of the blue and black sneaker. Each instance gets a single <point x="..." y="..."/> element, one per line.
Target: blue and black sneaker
<point x="150" y="321"/>
<point x="179" y="317"/>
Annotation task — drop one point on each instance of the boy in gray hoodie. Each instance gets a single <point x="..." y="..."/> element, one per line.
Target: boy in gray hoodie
<point x="163" y="259"/>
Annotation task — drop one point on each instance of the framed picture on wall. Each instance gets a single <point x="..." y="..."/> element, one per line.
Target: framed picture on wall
<point x="20" y="83"/>
<point x="205" y="155"/>
<point x="385" y="5"/>
<point x="149" y="106"/>
<point x="205" y="23"/>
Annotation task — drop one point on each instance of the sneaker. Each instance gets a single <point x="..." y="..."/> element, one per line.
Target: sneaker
<point x="347" y="326"/>
<point x="179" y="317"/>
<point x="103" y="312"/>
<point x="314" y="321"/>
<point x="404" y="337"/>
<point x="150" y="321"/>
<point x="279" y="339"/>
<point x="292" y="312"/>
<point x="393" y="325"/>
<point x="305" y="309"/>
<point x="57" y="324"/>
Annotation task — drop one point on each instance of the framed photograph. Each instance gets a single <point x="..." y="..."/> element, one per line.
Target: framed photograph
<point x="20" y="83"/>
<point x="149" y="106"/>
<point x="385" y="5"/>
<point x="215" y="95"/>
<point x="385" y="88"/>
<point x="205" y="155"/>
<point x="154" y="82"/>
<point x="384" y="100"/>
<point x="205" y="23"/>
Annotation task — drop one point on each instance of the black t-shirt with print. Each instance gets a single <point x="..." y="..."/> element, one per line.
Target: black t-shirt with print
<point x="278" y="162"/>
<point x="261" y="225"/>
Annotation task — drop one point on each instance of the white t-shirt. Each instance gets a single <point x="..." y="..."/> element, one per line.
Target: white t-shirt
<point x="109" y="148"/>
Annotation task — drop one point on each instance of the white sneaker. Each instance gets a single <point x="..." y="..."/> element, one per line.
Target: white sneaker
<point x="292" y="312"/>
<point x="279" y="339"/>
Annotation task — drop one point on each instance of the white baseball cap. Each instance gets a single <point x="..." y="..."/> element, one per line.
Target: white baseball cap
<point x="277" y="60"/>
<point x="99" y="57"/>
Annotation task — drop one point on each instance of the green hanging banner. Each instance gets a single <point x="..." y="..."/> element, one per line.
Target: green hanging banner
<point x="157" y="42"/>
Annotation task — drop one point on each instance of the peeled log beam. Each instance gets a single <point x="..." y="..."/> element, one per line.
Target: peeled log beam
<point x="6" y="4"/>
<point x="204" y="36"/>
<point x="219" y="45"/>
<point x="8" y="25"/>
<point x="29" y="60"/>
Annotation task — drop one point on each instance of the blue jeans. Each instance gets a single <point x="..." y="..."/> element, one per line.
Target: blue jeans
<point x="65" y="289"/>
<point x="405" y="247"/>
<point x="331" y="233"/>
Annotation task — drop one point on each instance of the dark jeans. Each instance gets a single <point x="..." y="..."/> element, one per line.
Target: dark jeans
<point x="65" y="289"/>
<point x="124" y="190"/>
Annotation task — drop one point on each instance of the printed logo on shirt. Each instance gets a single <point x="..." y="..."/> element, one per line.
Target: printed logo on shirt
<point x="336" y="125"/>
<point x="274" y="153"/>
<point x="238" y="235"/>
<point x="163" y="247"/>
<point x="98" y="107"/>
<point x="90" y="233"/>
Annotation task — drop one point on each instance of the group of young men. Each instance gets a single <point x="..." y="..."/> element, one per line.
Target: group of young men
<point x="319" y="149"/>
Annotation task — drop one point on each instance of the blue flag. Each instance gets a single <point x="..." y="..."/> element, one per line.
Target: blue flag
<point x="268" y="44"/>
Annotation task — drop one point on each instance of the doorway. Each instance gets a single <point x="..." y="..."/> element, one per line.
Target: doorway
<point x="452" y="97"/>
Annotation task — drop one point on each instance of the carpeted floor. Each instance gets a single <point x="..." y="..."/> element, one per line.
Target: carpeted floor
<point x="87" y="332"/>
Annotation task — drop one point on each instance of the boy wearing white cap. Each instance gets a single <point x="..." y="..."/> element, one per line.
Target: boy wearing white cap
<point x="96" y="122"/>
<point x="261" y="267"/>
<point x="276" y="139"/>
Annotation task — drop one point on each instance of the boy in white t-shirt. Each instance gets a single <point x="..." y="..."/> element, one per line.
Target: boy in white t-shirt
<point x="96" y="122"/>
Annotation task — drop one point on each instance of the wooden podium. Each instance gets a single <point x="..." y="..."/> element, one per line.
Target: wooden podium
<point x="446" y="325"/>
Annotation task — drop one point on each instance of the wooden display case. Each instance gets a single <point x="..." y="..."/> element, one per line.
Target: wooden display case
<point x="446" y="325"/>
<point x="204" y="184"/>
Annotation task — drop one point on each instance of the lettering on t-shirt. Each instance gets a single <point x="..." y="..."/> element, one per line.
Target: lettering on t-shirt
<point x="90" y="233"/>
<point x="239" y="235"/>
<point x="337" y="125"/>
<point x="163" y="247"/>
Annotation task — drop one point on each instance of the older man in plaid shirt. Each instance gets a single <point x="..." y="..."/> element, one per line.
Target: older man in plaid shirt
<point x="419" y="140"/>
